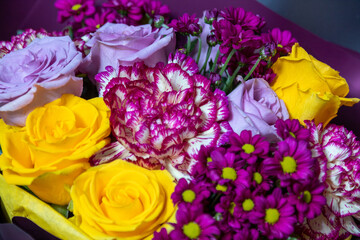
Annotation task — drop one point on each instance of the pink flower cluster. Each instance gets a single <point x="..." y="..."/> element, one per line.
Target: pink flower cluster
<point x="85" y="16"/>
<point x="22" y="40"/>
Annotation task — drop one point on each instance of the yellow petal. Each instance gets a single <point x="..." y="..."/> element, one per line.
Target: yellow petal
<point x="54" y="187"/>
<point x="18" y="202"/>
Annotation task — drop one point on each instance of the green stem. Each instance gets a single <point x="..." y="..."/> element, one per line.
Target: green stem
<point x="227" y="61"/>
<point x="252" y="69"/>
<point x="230" y="80"/>
<point x="199" y="50"/>
<point x="188" y="45"/>
<point x="215" y="61"/>
<point x="206" y="60"/>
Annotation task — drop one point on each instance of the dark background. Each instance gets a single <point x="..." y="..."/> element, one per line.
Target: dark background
<point x="337" y="21"/>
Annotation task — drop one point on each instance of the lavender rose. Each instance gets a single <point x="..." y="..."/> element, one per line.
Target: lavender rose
<point x="36" y="75"/>
<point x="126" y="45"/>
<point x="255" y="106"/>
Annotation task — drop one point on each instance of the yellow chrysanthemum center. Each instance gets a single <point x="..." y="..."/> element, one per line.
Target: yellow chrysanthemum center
<point x="257" y="177"/>
<point x="221" y="188"/>
<point x="272" y="215"/>
<point x="248" y="205"/>
<point x="307" y="196"/>
<point x="292" y="134"/>
<point x="229" y="173"/>
<point x="232" y="207"/>
<point x="288" y="164"/>
<point x="209" y="159"/>
<point x="188" y="195"/>
<point x="76" y="7"/>
<point x="248" y="148"/>
<point x="98" y="26"/>
<point x="192" y="230"/>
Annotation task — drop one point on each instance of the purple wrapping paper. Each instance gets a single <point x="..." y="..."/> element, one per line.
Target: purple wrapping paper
<point x="22" y="14"/>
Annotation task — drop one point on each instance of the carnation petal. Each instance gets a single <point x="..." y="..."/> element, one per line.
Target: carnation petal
<point x="109" y="153"/>
<point x="349" y="224"/>
<point x="206" y="139"/>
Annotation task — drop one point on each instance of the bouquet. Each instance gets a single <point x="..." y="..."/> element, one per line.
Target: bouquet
<point x="129" y="124"/>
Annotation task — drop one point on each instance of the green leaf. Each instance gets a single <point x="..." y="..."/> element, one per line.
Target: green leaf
<point x="61" y="209"/>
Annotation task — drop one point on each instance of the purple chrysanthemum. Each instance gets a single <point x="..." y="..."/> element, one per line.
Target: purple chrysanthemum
<point x="186" y="24"/>
<point x="129" y="11"/>
<point x="292" y="162"/>
<point x="308" y="199"/>
<point x="211" y="15"/>
<point x="274" y="215"/>
<point x="161" y="235"/>
<point x="163" y="115"/>
<point x="247" y="20"/>
<point x="283" y="40"/>
<point x="194" y="225"/>
<point x="261" y="179"/>
<point x="226" y="207"/>
<point x="188" y="192"/>
<point x="226" y="168"/>
<point x="291" y="128"/>
<point x="98" y="20"/>
<point x="77" y="9"/>
<point x="233" y="36"/>
<point x="249" y="147"/>
<point x="156" y="8"/>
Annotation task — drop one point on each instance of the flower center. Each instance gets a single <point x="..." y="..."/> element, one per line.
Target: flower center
<point x="272" y="215"/>
<point x="76" y="7"/>
<point x="221" y="188"/>
<point x="307" y="196"/>
<point x="192" y="230"/>
<point x="97" y="26"/>
<point x="257" y="177"/>
<point x="209" y="159"/>
<point x="248" y="205"/>
<point x="248" y="148"/>
<point x="229" y="173"/>
<point x="188" y="196"/>
<point x="292" y="134"/>
<point x="288" y="164"/>
<point x="232" y="207"/>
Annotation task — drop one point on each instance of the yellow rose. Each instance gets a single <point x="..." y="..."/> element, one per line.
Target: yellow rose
<point x="54" y="146"/>
<point x="310" y="89"/>
<point x="120" y="200"/>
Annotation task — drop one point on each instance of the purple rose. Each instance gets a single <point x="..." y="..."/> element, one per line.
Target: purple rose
<point x="123" y="45"/>
<point x="255" y="106"/>
<point x="36" y="75"/>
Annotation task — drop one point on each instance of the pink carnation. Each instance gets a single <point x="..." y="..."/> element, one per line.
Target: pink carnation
<point x="339" y="154"/>
<point x="161" y="116"/>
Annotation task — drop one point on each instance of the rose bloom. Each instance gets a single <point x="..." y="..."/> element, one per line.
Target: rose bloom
<point x="310" y="89"/>
<point x="254" y="106"/>
<point x="124" y="45"/>
<point x="36" y="75"/>
<point x="54" y="146"/>
<point x="121" y="200"/>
